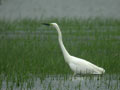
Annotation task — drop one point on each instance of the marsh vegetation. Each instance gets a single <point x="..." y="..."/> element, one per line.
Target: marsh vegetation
<point x="30" y="56"/>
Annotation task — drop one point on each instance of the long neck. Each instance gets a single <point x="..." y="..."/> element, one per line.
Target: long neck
<point x="64" y="51"/>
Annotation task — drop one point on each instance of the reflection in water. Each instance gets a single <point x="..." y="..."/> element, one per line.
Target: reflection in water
<point x="67" y="82"/>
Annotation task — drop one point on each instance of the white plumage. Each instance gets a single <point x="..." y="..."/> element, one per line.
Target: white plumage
<point x="81" y="66"/>
<point x="77" y="65"/>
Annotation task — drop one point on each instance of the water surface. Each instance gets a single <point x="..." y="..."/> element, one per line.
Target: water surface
<point x="68" y="82"/>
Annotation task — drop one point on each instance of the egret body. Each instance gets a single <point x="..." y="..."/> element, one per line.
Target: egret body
<point x="77" y="65"/>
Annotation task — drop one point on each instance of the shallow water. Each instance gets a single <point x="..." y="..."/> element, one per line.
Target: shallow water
<point x="68" y="82"/>
<point x="43" y="34"/>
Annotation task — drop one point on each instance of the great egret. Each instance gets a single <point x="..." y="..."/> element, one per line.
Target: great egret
<point x="77" y="65"/>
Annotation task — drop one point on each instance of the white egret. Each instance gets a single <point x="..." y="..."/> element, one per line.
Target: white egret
<point x="77" y="65"/>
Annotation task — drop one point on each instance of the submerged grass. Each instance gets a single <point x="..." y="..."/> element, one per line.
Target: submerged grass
<point x="27" y="47"/>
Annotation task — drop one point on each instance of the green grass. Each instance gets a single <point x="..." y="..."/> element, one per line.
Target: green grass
<point x="34" y="49"/>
